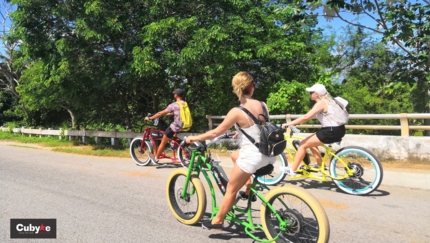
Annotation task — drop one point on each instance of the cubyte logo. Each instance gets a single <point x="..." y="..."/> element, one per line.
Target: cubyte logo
<point x="33" y="228"/>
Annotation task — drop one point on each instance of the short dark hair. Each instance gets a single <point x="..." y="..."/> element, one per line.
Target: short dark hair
<point x="179" y="92"/>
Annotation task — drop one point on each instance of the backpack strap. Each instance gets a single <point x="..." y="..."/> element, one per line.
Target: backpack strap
<point x="265" y="115"/>
<point x="256" y="121"/>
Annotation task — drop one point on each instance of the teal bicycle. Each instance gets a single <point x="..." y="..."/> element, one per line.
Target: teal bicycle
<point x="287" y="213"/>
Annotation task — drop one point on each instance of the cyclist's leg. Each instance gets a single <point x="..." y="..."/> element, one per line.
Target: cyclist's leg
<point x="309" y="142"/>
<point x="168" y="134"/>
<point x="316" y="152"/>
<point x="174" y="150"/>
<point x="234" y="155"/>
<point x="236" y="181"/>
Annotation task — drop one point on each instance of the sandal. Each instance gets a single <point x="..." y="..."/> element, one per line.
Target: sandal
<point x="245" y="197"/>
<point x="209" y="226"/>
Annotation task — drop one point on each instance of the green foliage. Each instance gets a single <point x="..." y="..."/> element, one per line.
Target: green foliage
<point x="404" y="24"/>
<point x="290" y="98"/>
<point x="106" y="64"/>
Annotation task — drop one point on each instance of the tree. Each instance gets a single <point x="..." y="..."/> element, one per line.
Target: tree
<point x="9" y="74"/>
<point x="401" y="23"/>
<point x="107" y="62"/>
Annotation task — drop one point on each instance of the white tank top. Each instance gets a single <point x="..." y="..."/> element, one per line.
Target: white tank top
<point x="253" y="131"/>
<point x="324" y="117"/>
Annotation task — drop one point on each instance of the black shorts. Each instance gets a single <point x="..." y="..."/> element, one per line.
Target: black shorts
<point x="331" y="134"/>
<point x="169" y="132"/>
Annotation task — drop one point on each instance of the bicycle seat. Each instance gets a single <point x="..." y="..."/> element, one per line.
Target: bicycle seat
<point x="266" y="170"/>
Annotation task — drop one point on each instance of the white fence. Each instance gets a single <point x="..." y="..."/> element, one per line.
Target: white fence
<point x="113" y="135"/>
<point x="385" y="147"/>
<point x="404" y="119"/>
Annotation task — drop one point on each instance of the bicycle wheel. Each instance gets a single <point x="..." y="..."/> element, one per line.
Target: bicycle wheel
<point x="278" y="173"/>
<point x="183" y="153"/>
<point x="305" y="217"/>
<point x="191" y="209"/>
<point x="140" y="156"/>
<point x="366" y="166"/>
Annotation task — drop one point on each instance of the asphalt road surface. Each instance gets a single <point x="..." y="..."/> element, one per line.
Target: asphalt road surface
<point x="96" y="199"/>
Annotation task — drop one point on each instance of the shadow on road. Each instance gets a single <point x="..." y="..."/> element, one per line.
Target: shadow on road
<point x="330" y="186"/>
<point x="232" y="230"/>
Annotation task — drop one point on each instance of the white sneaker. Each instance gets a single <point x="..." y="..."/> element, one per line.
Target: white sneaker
<point x="288" y="170"/>
<point x="285" y="169"/>
<point x="152" y="158"/>
<point x="292" y="173"/>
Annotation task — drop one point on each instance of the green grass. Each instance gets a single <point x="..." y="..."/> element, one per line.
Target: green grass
<point x="43" y="141"/>
<point x="95" y="151"/>
<point x="65" y="146"/>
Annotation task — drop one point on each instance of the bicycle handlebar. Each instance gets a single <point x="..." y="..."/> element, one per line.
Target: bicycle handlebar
<point x="203" y="146"/>
<point x="225" y="135"/>
<point x="293" y="129"/>
<point x="153" y="122"/>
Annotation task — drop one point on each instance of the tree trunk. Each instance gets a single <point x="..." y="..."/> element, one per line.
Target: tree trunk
<point x="24" y="109"/>
<point x="72" y="116"/>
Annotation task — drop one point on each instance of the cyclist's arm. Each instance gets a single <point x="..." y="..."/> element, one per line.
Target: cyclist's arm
<point x="229" y="121"/>
<point x="158" y="114"/>
<point x="318" y="107"/>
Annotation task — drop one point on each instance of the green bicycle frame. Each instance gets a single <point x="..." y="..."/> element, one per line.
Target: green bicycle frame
<point x="200" y="164"/>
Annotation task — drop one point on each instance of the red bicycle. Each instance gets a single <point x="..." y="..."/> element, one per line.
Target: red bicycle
<point x="142" y="148"/>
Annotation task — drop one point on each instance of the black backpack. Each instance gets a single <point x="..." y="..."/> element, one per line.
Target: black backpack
<point x="272" y="141"/>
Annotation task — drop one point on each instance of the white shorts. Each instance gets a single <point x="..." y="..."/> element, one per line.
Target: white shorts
<point x="250" y="159"/>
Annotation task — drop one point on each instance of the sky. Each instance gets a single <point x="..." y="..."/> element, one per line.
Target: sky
<point x="5" y="23"/>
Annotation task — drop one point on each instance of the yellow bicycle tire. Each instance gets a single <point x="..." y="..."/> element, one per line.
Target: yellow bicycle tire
<point x="171" y="194"/>
<point x="306" y="197"/>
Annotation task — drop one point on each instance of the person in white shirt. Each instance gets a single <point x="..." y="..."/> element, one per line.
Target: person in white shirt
<point x="330" y="132"/>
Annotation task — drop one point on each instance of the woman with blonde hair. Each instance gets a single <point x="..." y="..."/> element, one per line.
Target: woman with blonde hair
<point x="331" y="131"/>
<point x="249" y="159"/>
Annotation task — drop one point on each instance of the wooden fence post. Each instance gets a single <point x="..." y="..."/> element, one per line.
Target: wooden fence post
<point x="85" y="138"/>
<point x="288" y="118"/>
<point x="98" y="139"/>
<point x="404" y="124"/>
<point x="209" y="117"/>
<point x="71" y="138"/>
<point x="114" y="141"/>
<point x="129" y="139"/>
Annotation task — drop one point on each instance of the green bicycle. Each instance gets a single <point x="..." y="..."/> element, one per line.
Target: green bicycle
<point x="287" y="213"/>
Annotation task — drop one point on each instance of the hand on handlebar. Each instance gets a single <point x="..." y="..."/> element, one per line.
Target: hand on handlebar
<point x="292" y="128"/>
<point x="190" y="139"/>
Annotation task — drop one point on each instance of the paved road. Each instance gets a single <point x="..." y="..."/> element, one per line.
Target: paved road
<point x="98" y="199"/>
